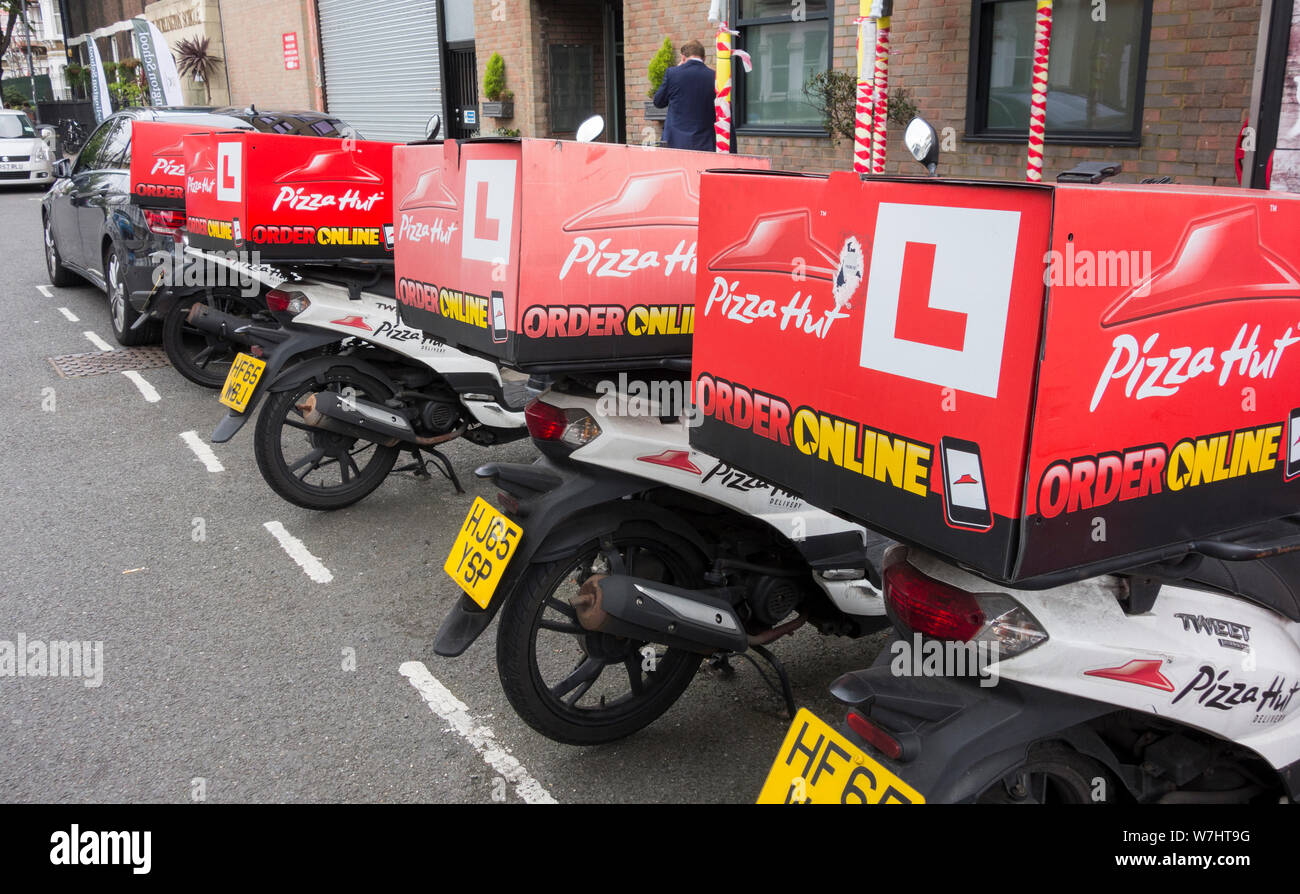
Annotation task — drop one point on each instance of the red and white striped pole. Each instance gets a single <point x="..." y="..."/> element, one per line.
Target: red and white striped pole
<point x="722" y="89"/>
<point x="863" y="116"/>
<point x="1038" y="96"/>
<point x="880" y="108"/>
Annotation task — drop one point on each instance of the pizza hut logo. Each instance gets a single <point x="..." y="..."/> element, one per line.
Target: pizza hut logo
<point x="658" y="199"/>
<point x="332" y="164"/>
<point x="429" y="192"/>
<point x="354" y="322"/>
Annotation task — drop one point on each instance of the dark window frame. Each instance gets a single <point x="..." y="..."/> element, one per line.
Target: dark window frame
<point x="977" y="91"/>
<point x="738" y="111"/>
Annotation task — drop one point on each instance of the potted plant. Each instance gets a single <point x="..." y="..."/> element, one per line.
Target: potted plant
<point x="500" y="101"/>
<point x="659" y="65"/>
<point x="195" y="60"/>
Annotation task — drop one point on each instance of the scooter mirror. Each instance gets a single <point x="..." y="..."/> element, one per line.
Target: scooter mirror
<point x="590" y="129"/>
<point x="923" y="143"/>
<point x="432" y="129"/>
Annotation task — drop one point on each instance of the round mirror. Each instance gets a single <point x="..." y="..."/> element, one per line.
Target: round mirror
<point x="922" y="142"/>
<point x="590" y="129"/>
<point x="432" y="129"/>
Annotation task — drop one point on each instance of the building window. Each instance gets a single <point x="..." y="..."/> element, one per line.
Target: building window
<point x="789" y="44"/>
<point x="1096" y="73"/>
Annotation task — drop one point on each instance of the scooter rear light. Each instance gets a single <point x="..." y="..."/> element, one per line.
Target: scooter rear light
<point x="925" y="605"/>
<point x="931" y="607"/>
<point x="166" y="223"/>
<point x="876" y="737"/>
<point x="278" y="301"/>
<point x="572" y="427"/>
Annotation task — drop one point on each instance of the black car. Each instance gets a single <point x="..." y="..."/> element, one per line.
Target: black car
<point x="92" y="229"/>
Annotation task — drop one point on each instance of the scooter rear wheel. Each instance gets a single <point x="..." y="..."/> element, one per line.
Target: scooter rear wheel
<point x="202" y="358"/>
<point x="584" y="688"/>
<point x="289" y="452"/>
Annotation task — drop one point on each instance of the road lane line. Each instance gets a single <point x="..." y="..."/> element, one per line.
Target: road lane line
<point x="45" y="290"/>
<point x="202" y="451"/>
<point x="452" y="710"/>
<point x="97" y="341"/>
<point x="299" y="553"/>
<point x="72" y="318"/>
<point x="150" y="393"/>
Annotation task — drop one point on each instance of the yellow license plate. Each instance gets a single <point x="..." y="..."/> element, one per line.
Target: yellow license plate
<point x="817" y="765"/>
<point x="482" y="550"/>
<point x="241" y="381"/>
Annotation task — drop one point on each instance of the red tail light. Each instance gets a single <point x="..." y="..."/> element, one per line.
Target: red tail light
<point x="545" y="422"/>
<point x="930" y="607"/>
<point x="166" y="223"/>
<point x="874" y="735"/>
<point x="277" y="301"/>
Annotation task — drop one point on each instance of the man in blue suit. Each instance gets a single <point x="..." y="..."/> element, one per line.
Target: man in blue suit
<point x="687" y="92"/>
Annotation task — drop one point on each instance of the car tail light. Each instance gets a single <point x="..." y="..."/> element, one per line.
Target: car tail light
<point x="278" y="301"/>
<point x="166" y="223"/>
<point x="572" y="427"/>
<point x="943" y="611"/>
<point x="874" y="736"/>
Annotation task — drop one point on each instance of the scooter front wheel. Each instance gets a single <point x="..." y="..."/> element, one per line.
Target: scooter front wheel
<point x="313" y="468"/>
<point x="581" y="687"/>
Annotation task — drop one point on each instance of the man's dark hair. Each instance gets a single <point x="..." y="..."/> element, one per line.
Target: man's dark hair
<point x="693" y="48"/>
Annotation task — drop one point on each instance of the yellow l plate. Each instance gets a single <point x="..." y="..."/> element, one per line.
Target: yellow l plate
<point x="817" y="765"/>
<point x="241" y="381"/>
<point x="482" y="550"/>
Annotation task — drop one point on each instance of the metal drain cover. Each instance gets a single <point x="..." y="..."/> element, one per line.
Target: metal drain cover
<point x="96" y="363"/>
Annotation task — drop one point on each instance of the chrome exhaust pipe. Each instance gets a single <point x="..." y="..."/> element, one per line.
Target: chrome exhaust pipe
<point x="364" y="419"/>
<point x="647" y="610"/>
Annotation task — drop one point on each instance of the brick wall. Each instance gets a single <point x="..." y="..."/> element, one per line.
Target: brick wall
<point x="1197" y="91"/>
<point x="254" y="43"/>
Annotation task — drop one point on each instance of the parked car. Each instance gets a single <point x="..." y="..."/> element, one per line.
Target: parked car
<point x="25" y="159"/>
<point x="93" y="231"/>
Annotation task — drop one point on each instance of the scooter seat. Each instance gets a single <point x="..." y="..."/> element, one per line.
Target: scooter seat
<point x="1269" y="582"/>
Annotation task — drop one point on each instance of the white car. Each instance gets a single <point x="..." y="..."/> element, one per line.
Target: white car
<point x="24" y="157"/>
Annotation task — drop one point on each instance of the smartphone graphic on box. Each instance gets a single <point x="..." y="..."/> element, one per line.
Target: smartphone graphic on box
<point x="1293" y="445"/>
<point x="966" y="497"/>
<point x="498" y="317"/>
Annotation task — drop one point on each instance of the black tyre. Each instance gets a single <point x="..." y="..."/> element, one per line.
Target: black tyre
<point x="59" y="275"/>
<point x="121" y="315"/>
<point x="199" y="356"/>
<point x="317" y="469"/>
<point x="1055" y="774"/>
<point x="585" y="688"/>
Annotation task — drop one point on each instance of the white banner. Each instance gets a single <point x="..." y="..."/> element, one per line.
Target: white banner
<point x="158" y="64"/>
<point x="99" y="95"/>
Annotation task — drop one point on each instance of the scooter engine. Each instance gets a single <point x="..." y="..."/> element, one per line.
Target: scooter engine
<point x="773" y="599"/>
<point x="439" y="416"/>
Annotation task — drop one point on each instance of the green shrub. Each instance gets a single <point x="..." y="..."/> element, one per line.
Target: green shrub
<point x="659" y="65"/>
<point x="494" y="78"/>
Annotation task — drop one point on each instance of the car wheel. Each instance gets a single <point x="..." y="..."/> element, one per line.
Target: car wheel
<point x="121" y="315"/>
<point x="59" y="275"/>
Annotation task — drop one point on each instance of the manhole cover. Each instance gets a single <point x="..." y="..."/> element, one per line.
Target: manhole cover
<point x="96" y="363"/>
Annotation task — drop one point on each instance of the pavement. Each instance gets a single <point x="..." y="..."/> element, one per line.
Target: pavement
<point x="229" y="674"/>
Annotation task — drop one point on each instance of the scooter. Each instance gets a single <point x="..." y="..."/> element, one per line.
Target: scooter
<point x="1171" y="682"/>
<point x="624" y="558"/>
<point x="348" y="387"/>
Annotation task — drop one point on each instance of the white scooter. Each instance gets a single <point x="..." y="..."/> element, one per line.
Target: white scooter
<point x="638" y="557"/>
<point x="348" y="387"/>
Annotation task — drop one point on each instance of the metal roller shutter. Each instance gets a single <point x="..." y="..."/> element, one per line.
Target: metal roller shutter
<point x="381" y="65"/>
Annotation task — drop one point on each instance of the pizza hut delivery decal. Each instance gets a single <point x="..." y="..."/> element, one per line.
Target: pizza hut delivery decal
<point x="875" y="347"/>
<point x="604" y="269"/>
<point x="290" y="197"/>
<point x="158" y="163"/>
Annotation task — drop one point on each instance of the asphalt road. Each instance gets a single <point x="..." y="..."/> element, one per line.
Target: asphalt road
<point x="225" y="670"/>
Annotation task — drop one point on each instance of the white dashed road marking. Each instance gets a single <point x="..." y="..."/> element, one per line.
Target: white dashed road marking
<point x="452" y="710"/>
<point x="202" y="451"/>
<point x="72" y="318"/>
<point x="45" y="290"/>
<point x="150" y="393"/>
<point x="97" y="341"/>
<point x="300" y="554"/>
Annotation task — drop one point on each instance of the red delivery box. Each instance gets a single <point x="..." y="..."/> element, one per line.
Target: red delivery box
<point x="547" y="254"/>
<point x="290" y="198"/>
<point x="158" y="163"/>
<point x="1030" y="380"/>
